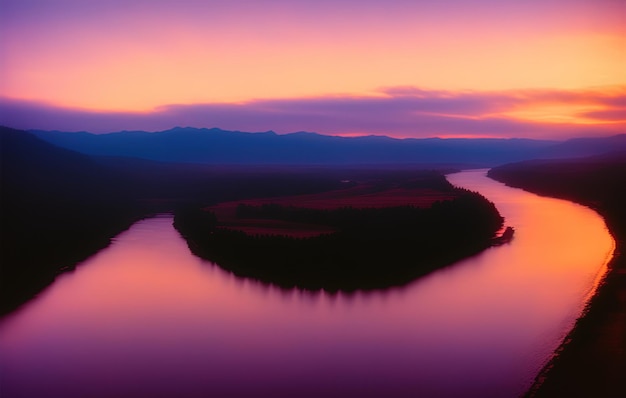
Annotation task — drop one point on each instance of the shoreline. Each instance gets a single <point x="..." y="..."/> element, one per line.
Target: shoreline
<point x="581" y="329"/>
<point x="591" y="359"/>
<point x="24" y="290"/>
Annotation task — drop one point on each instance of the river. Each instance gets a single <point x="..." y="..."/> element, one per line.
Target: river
<point x="146" y="318"/>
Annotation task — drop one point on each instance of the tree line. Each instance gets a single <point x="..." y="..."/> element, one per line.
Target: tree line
<point x="371" y="248"/>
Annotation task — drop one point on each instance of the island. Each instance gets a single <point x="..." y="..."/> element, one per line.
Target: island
<point x="369" y="234"/>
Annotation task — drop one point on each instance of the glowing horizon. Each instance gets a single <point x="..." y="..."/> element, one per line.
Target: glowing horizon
<point x="138" y="58"/>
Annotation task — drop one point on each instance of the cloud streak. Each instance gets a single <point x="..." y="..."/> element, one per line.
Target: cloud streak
<point x="396" y="111"/>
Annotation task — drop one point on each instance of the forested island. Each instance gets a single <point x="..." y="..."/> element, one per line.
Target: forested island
<point x="345" y="240"/>
<point x="592" y="360"/>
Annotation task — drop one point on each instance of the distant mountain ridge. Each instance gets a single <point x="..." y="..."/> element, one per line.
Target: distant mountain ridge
<point x="217" y="146"/>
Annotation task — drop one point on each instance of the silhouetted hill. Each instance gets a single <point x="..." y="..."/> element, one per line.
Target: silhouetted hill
<point x="598" y="181"/>
<point x="57" y="208"/>
<point x="217" y="146"/>
<point x="583" y="147"/>
<point x="34" y="167"/>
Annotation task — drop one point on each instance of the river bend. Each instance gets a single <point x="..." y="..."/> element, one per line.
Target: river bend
<point x="144" y="317"/>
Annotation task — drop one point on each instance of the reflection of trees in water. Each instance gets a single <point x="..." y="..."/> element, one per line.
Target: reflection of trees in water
<point x="372" y="248"/>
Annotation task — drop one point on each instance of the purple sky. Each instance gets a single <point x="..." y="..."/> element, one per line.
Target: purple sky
<point x="531" y="68"/>
<point x="398" y="112"/>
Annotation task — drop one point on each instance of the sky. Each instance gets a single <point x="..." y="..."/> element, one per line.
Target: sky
<point x="486" y="68"/>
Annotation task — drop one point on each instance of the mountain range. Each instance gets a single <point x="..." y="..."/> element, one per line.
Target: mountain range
<point x="216" y="146"/>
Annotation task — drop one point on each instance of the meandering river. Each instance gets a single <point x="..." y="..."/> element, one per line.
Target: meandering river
<point x="146" y="318"/>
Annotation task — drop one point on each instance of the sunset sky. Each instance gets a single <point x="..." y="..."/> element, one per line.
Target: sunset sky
<point x="486" y="68"/>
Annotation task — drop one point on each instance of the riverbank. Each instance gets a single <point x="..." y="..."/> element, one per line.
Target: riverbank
<point x="58" y="208"/>
<point x="591" y="361"/>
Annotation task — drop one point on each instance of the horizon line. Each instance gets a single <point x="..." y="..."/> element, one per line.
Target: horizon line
<point x="351" y="136"/>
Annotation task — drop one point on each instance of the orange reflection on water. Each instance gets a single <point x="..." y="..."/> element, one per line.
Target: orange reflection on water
<point x="145" y="317"/>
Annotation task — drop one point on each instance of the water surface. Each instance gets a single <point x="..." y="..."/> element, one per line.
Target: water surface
<point x="144" y="317"/>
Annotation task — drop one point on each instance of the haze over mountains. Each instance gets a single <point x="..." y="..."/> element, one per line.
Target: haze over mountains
<point x="216" y="146"/>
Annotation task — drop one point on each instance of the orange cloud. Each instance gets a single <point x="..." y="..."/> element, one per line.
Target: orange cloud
<point x="585" y="107"/>
<point x="397" y="112"/>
